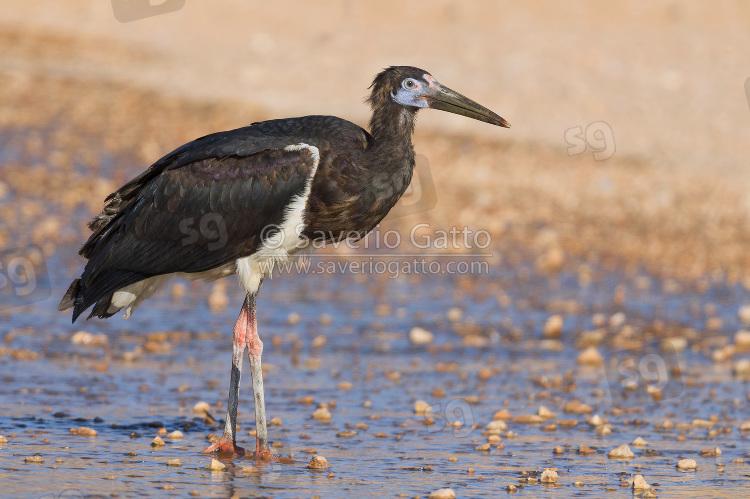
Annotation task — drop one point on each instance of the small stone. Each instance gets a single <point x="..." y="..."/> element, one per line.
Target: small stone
<point x="346" y="434"/>
<point x="84" y="431"/>
<point x="528" y="419"/>
<point x="322" y="415"/>
<point x="595" y="420"/>
<point x="201" y="408"/>
<point x="745" y="426"/>
<point x="422" y="408"/>
<point x="713" y="452"/>
<point x="420" y="336"/>
<point x="553" y="327"/>
<point x="293" y="318"/>
<point x="503" y="414"/>
<point x="604" y="430"/>
<point x="511" y="488"/>
<point x="649" y="493"/>
<point x="495" y="427"/>
<point x="275" y="422"/>
<point x="174" y="462"/>
<point x="34" y="459"/>
<point x="215" y="465"/>
<point x="639" y="483"/>
<point x="442" y="494"/>
<point x="578" y="483"/>
<point x="176" y="435"/>
<point x="318" y="463"/>
<point x="86" y="338"/>
<point x="483" y="448"/>
<point x="157" y="442"/>
<point x="741" y="367"/>
<point x="454" y="314"/>
<point x="742" y="338"/>
<point x="577" y="407"/>
<point x="559" y="449"/>
<point x="549" y="476"/>
<point x="161" y="431"/>
<point x="545" y="413"/>
<point x="621" y="452"/>
<point x="494" y="440"/>
<point x="585" y="450"/>
<point x="590" y="357"/>
<point x="3" y="440"/>
<point x="702" y="423"/>
<point x="639" y="442"/>
<point x="687" y="464"/>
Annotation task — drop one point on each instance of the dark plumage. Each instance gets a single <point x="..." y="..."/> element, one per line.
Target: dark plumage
<point x="245" y="181"/>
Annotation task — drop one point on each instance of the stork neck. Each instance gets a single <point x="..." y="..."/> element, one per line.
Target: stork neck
<point x="392" y="126"/>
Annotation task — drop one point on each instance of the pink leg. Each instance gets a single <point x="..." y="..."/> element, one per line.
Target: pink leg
<point x="227" y="442"/>
<point x="255" y="350"/>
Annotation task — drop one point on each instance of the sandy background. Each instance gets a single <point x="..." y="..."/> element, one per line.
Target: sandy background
<point x="666" y="75"/>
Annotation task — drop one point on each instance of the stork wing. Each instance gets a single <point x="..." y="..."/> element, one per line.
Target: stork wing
<point x="202" y="206"/>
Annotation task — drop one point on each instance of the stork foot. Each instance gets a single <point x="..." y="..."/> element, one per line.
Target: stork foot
<point x="224" y="446"/>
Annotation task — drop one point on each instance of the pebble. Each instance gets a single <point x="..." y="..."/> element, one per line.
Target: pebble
<point x="293" y="318"/>
<point x="346" y="434"/>
<point x="201" y="408"/>
<point x="422" y="408"/>
<point x="275" y="422"/>
<point x="741" y="367"/>
<point x="494" y="439"/>
<point x="622" y="451"/>
<point x="585" y="450"/>
<point x="176" y="435"/>
<point x="604" y="430"/>
<point x="595" y="420"/>
<point x="577" y="407"/>
<point x="215" y="465"/>
<point x="34" y="459"/>
<point x="83" y="431"/>
<point x="742" y="338"/>
<point x="483" y="448"/>
<point x="745" y="426"/>
<point x="442" y="494"/>
<point x="744" y="314"/>
<point x="3" y="440"/>
<point x="545" y="413"/>
<point x="322" y="415"/>
<point x="495" y="427"/>
<point x="553" y="327"/>
<point x="559" y="449"/>
<point x="590" y="357"/>
<point x="528" y="419"/>
<point x="420" y="336"/>
<point x="511" y="488"/>
<point x="157" y="442"/>
<point x="715" y="451"/>
<point x="86" y="338"/>
<point x="687" y="464"/>
<point x="318" y="463"/>
<point x="454" y="314"/>
<point x="174" y="462"/>
<point x="639" y="483"/>
<point x="502" y="414"/>
<point x="549" y="475"/>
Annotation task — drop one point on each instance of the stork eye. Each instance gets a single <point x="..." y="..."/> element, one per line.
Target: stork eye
<point x="410" y="83"/>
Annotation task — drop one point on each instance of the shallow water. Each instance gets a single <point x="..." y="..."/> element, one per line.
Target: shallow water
<point x="486" y="356"/>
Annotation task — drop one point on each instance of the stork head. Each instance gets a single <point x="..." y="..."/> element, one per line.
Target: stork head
<point x="416" y="88"/>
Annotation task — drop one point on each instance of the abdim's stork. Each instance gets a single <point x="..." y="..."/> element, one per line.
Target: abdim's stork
<point x="236" y="202"/>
